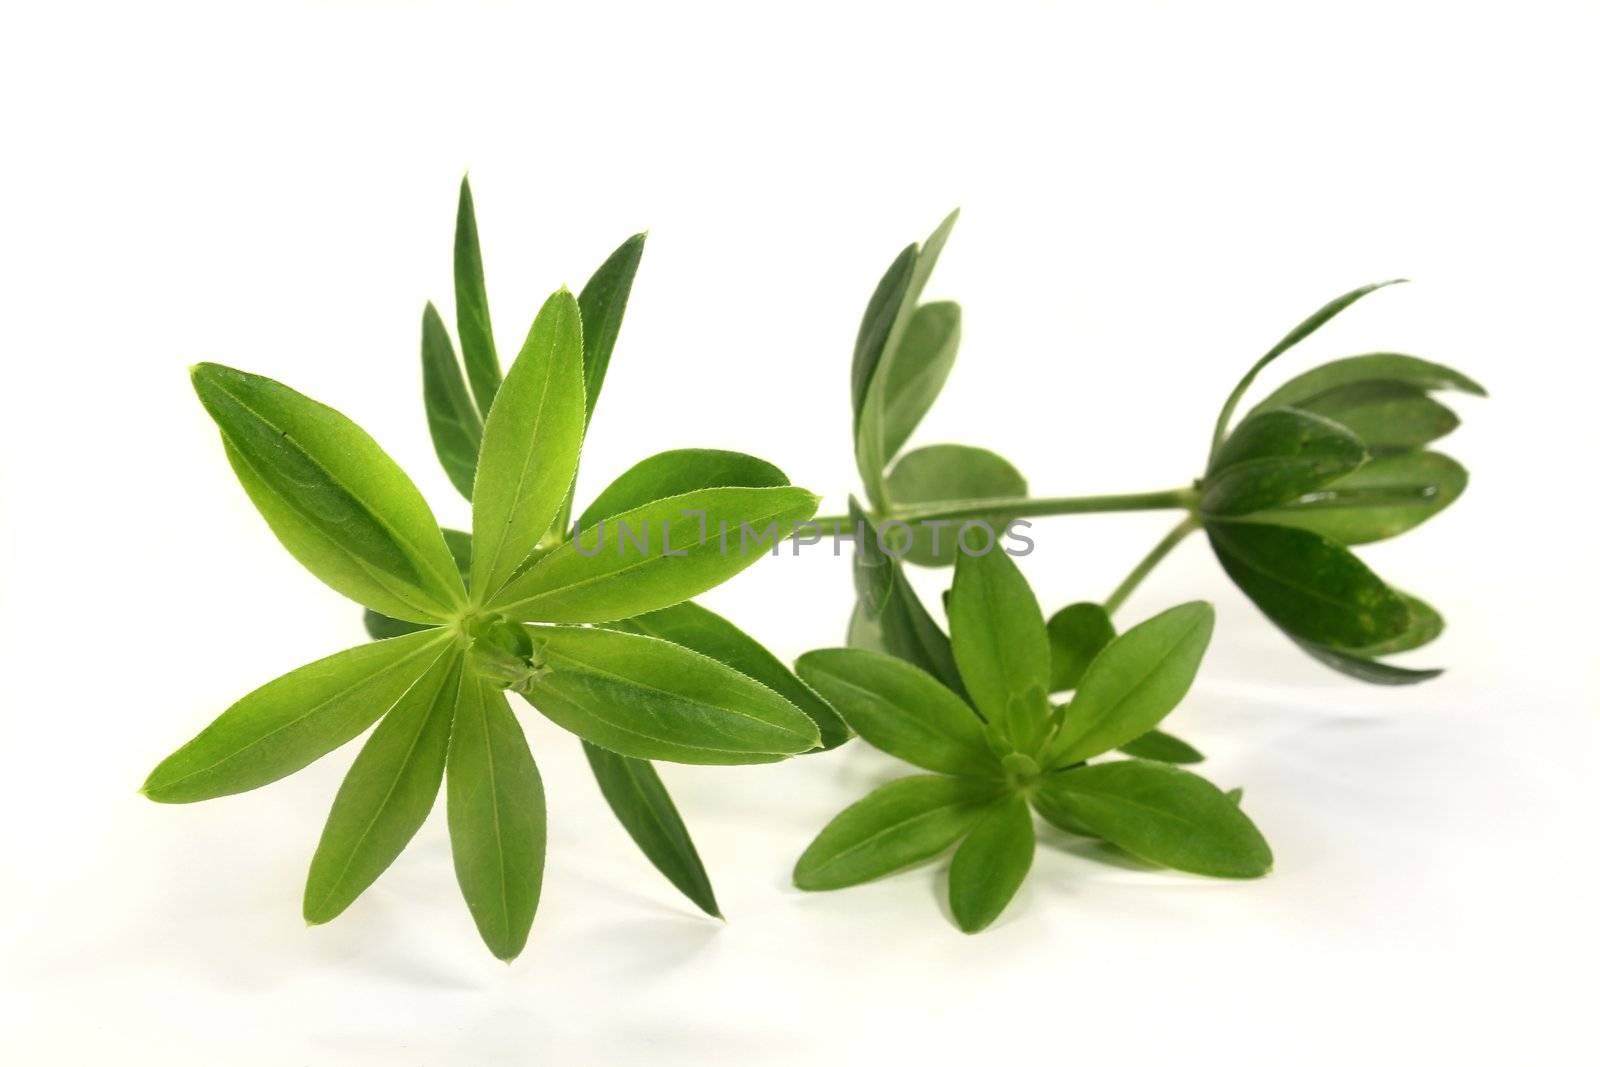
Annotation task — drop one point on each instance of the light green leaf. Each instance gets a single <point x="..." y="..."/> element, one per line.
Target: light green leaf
<point x="387" y="794"/>
<point x="893" y="827"/>
<point x="900" y="709"/>
<point x="295" y="719"/>
<point x="1162" y="815"/>
<point x="642" y="805"/>
<point x="692" y="626"/>
<point x="472" y="306"/>
<point x="453" y="420"/>
<point x="919" y="371"/>
<point x="1077" y="634"/>
<point x="1384" y="498"/>
<point x="998" y="636"/>
<point x="603" y="300"/>
<point x="338" y="503"/>
<point x="495" y="804"/>
<point x="1162" y="747"/>
<point x="991" y="863"/>
<point x="530" y="448"/>
<point x="652" y="699"/>
<point x="1133" y="683"/>
<point x="656" y="555"/>
<point x="1373" y="367"/>
<point x="679" y="471"/>
<point x="380" y="626"/>
<point x="949" y="472"/>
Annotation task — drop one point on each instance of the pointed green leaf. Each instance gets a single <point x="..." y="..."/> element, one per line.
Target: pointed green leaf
<point x="652" y="699"/>
<point x="692" y="626"/>
<point x="294" y="720"/>
<point x="380" y="626"/>
<point x="1386" y="416"/>
<point x="656" y="555"/>
<point x="997" y="634"/>
<point x="1374" y="367"/>
<point x="893" y="827"/>
<point x="1077" y="634"/>
<point x="1163" y="748"/>
<point x="603" y="301"/>
<point x="889" y="608"/>
<point x="949" y="472"/>
<point x="1276" y="457"/>
<point x="530" y="448"/>
<point x="927" y="353"/>
<point x="1384" y="498"/>
<point x="495" y="804"/>
<point x="1133" y="683"/>
<point x="641" y="804"/>
<point x="675" y="472"/>
<point x="1162" y="815"/>
<point x="991" y="863"/>
<point x="1426" y="625"/>
<point x="876" y="322"/>
<point x="472" y="306"/>
<point x="387" y="794"/>
<point x="1364" y="668"/>
<point x="900" y="709"/>
<point x="453" y="420"/>
<point x="1311" y="587"/>
<point x="338" y="503"/>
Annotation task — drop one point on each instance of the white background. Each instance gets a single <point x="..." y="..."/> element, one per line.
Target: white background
<point x="1152" y="194"/>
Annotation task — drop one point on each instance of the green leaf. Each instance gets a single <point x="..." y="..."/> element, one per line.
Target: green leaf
<point x="453" y="420"/>
<point x="1311" y="587"/>
<point x="387" y="794"/>
<point x="656" y="555"/>
<point x="495" y="803"/>
<point x="1386" y="416"/>
<point x="1384" y="498"/>
<point x="338" y="503"/>
<point x="893" y="827"/>
<point x="882" y="311"/>
<point x="1310" y="326"/>
<point x="1162" y="815"/>
<point x="472" y="306"/>
<point x="652" y="699"/>
<point x="1374" y="367"/>
<point x="900" y="709"/>
<point x="380" y="626"/>
<point x="1162" y="747"/>
<point x="1426" y="625"/>
<point x="295" y="719"/>
<point x="997" y="634"/>
<point x="991" y="863"/>
<point x="1134" y="683"/>
<point x="949" y="472"/>
<point x="1275" y="457"/>
<point x="679" y="471"/>
<point x="927" y="353"/>
<point x="692" y="626"/>
<point x="1077" y="634"/>
<point x="641" y="804"/>
<point x="603" y="300"/>
<point x="1364" y="668"/>
<point x="530" y="446"/>
<point x="888" y="607"/>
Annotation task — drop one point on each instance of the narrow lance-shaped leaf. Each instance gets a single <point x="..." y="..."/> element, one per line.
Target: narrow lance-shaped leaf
<point x="651" y="699"/>
<point x="294" y="720"/>
<point x="998" y="636"/>
<point x="675" y="472"/>
<point x="530" y="446"/>
<point x="1384" y="498"/>
<point x="991" y="863"/>
<point x="882" y="310"/>
<point x="1163" y="748"/>
<point x="1366" y="669"/>
<point x="338" y="503"/>
<point x="1386" y="416"/>
<point x="1373" y="367"/>
<point x="495" y="803"/>
<point x="387" y="794"/>
<point x="472" y="306"/>
<point x="453" y="420"/>
<point x="642" y="805"/>
<point x="603" y="301"/>
<point x="1275" y="457"/>
<point x="927" y="353"/>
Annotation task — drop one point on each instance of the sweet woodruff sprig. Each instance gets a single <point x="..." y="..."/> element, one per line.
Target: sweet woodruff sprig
<point x="1336" y="457"/>
<point x="526" y="611"/>
<point x="983" y="723"/>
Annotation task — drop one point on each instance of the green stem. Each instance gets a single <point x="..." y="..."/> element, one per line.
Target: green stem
<point x="1148" y="564"/>
<point x="1007" y="508"/>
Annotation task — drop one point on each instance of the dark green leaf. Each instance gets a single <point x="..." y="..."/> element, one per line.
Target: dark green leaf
<point x="603" y="300"/>
<point x="1275" y="457"/>
<point x="889" y="607"/>
<point x="1386" y="416"/>
<point x="387" y="794"/>
<point x="1374" y="367"/>
<point x="641" y="804"/>
<point x="679" y="471"/>
<point x="651" y="699"/>
<point x="1133" y="683"/>
<point x="1160" y="814"/>
<point x="893" y="827"/>
<point x="1363" y="668"/>
<point x="1162" y="747"/>
<point x="927" y="353"/>
<point x="991" y="863"/>
<point x="656" y="555"/>
<point x="1309" y="586"/>
<point x="876" y="322"/>
<point x="472" y="306"/>
<point x="1426" y="625"/>
<point x="949" y="472"/>
<point x="495" y="803"/>
<point x="900" y="709"/>
<point x="531" y="441"/>
<point x="998" y="637"/>
<point x="453" y="421"/>
<point x="338" y="503"/>
<point x="1077" y="634"/>
<point x="692" y="626"/>
<point x="295" y="719"/>
<point x="1386" y="497"/>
